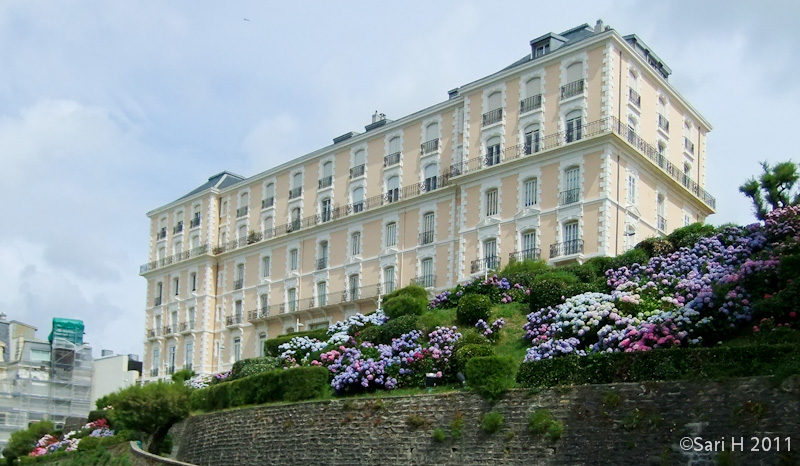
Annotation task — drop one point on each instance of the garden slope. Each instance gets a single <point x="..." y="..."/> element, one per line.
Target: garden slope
<point x="635" y="423"/>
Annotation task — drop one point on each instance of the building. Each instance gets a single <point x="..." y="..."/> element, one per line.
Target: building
<point x="581" y="148"/>
<point x="42" y="379"/>
<point x="114" y="372"/>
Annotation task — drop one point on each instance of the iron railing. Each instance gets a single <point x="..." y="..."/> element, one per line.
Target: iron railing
<point x="295" y="192"/>
<point x="525" y="254"/>
<point x="166" y="330"/>
<point x="322" y="263"/>
<point x="260" y="313"/>
<point x="357" y="171"/>
<point x="426" y="237"/>
<point x="569" y="196"/>
<point x="572" y="89"/>
<point x="492" y="116"/>
<point x="566" y="248"/>
<point x="238" y="284"/>
<point x="689" y="145"/>
<point x="429" y="146"/>
<point x="178" y="228"/>
<point x="487" y="263"/>
<point x="425" y="281"/>
<point x="634" y="97"/>
<point x="157" y="301"/>
<point x="154" y="372"/>
<point x="662" y="223"/>
<point x="151" y="333"/>
<point x="268" y="202"/>
<point x="325" y="181"/>
<point x="663" y="123"/>
<point x="162" y="233"/>
<point x="531" y="103"/>
<point x="391" y="159"/>
<point x="235" y="319"/>
<point x="241" y="211"/>
<point x="195" y="222"/>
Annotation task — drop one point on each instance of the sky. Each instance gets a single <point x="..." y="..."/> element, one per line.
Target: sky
<point x="109" y="109"/>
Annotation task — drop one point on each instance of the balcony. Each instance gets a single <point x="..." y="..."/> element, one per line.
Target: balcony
<point x="569" y="196"/>
<point x="241" y="211"/>
<point x="425" y="281"/>
<point x="572" y="89"/>
<point x="151" y="333"/>
<point x="429" y="147"/>
<point x="186" y="326"/>
<point x="391" y="159"/>
<point x="177" y="228"/>
<point x="426" y="237"/>
<point x="431" y="183"/>
<point x="634" y="97"/>
<point x="235" y="319"/>
<point x="157" y="301"/>
<point x="357" y="171"/>
<point x="662" y="223"/>
<point x="322" y="263"/>
<point x="161" y="233"/>
<point x="663" y="123"/>
<point x="295" y="192"/>
<point x="530" y="104"/>
<point x="268" y="202"/>
<point x="491" y="117"/>
<point x="492" y="158"/>
<point x="566" y="248"/>
<point x="256" y="314"/>
<point x="388" y="287"/>
<point x="154" y="372"/>
<point x="485" y="264"/>
<point x="167" y="330"/>
<point x="194" y="223"/>
<point x="326" y="215"/>
<point x="238" y="284"/>
<point x="688" y="145"/>
<point x="525" y="255"/>
<point x="325" y="181"/>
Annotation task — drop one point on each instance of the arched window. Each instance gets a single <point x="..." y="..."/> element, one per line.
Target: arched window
<point x="533" y="87"/>
<point x="269" y="196"/>
<point x="494" y="111"/>
<point x="533" y="96"/>
<point x="432" y="132"/>
<point x="358" y="200"/>
<point x="327" y="175"/>
<point x="394" y="145"/>
<point x="430" y="174"/>
<point x="295" y="218"/>
<point x="244" y="201"/>
<point x="297" y="186"/>
<point x="325" y="209"/>
<point x="573" y="124"/>
<point x="391" y="234"/>
<point x="393" y="189"/>
<point x="492" y="151"/>
<point x="359" y="164"/>
<point x="494" y="100"/>
<point x="532" y="139"/>
<point x="269" y="223"/>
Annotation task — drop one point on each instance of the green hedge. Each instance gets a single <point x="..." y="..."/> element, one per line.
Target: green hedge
<point x="252" y="366"/>
<point x="467" y="352"/>
<point x="671" y="364"/>
<point x="490" y="376"/>
<point x="272" y="344"/>
<point x="404" y="304"/>
<point x="472" y="308"/>
<point x="299" y="383"/>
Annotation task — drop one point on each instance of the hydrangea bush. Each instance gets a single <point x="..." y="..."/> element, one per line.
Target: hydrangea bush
<point x="499" y="290"/>
<point x="51" y="443"/>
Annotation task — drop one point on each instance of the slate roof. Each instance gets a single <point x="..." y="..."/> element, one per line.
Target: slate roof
<point x="220" y="181"/>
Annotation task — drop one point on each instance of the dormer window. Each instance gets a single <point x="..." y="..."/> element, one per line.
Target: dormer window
<point x="541" y="50"/>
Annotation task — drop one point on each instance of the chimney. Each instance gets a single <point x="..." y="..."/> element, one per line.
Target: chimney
<point x="106" y="352"/>
<point x="598" y="27"/>
<point x="2" y="316"/>
<point x="377" y="116"/>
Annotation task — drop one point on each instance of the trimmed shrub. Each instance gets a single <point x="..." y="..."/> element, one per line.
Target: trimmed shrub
<point x="661" y="364"/>
<point x="404" y="305"/>
<point x="490" y="376"/>
<point x="252" y="366"/>
<point x="472" y="308"/>
<point x="95" y="415"/>
<point x="415" y="291"/>
<point x="271" y="345"/>
<point x="467" y="352"/>
<point x="690" y="234"/>
<point x="305" y="383"/>
<point x="634" y="256"/>
<point x="394" y="328"/>
<point x="470" y="337"/>
<point x="491" y="422"/>
<point x="524" y="272"/>
<point x="371" y="333"/>
<point x="655" y="246"/>
<point x="547" y="292"/>
<point x="182" y="375"/>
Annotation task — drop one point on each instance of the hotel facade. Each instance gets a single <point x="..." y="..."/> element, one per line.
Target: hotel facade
<point x="580" y="149"/>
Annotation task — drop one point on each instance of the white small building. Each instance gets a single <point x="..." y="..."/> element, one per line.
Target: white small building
<point x="113" y="372"/>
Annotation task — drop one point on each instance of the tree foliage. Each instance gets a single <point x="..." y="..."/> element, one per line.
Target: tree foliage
<point x="22" y="441"/>
<point x="773" y="189"/>
<point x="152" y="409"/>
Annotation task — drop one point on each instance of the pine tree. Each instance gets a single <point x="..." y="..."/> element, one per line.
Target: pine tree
<point x="773" y="189"/>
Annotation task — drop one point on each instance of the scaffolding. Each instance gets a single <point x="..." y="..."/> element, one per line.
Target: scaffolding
<point x="70" y="371"/>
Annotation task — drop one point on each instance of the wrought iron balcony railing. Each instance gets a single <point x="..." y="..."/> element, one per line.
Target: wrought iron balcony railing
<point x="256" y="314"/>
<point x="241" y="211"/>
<point x="154" y="372"/>
<point x="566" y="248"/>
<point x="533" y="102"/>
<point x="238" y="284"/>
<point x="157" y="301"/>
<point x="325" y="181"/>
<point x="167" y="330"/>
<point x="569" y="196"/>
<point x="572" y="89"/>
<point x="426" y="237"/>
<point x="663" y="123"/>
<point x="525" y="255"/>
<point x="429" y="146"/>
<point x="322" y="263"/>
<point x="634" y="97"/>
<point x="689" y="145"/>
<point x="487" y="263"/>
<point x="235" y="319"/>
<point x="295" y="192"/>
<point x="492" y="116"/>
<point x="391" y="159"/>
<point x="151" y="333"/>
<point x="178" y="228"/>
<point x="195" y="222"/>
<point x="162" y="233"/>
<point x="425" y="281"/>
<point x="662" y="223"/>
<point x="268" y="202"/>
<point x="357" y="171"/>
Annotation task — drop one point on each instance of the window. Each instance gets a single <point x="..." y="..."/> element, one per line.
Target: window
<point x="174" y="320"/>
<point x="492" y="151"/>
<point x="189" y="355"/>
<point x="269" y="196"/>
<point x="244" y="201"/>
<point x="687" y="220"/>
<point x="171" y="353"/>
<point x="661" y="212"/>
<point x="322" y="261"/>
<point x="175" y="283"/>
<point x="631" y="188"/>
<point x="494" y="114"/>
<point x="632" y="130"/>
<point x="428" y="277"/>
<point x="238" y="311"/>
<point x="327" y="175"/>
<point x="325" y="210"/>
<point x="571" y="238"/>
<point x="196" y="217"/>
<point x="237" y="349"/>
<point x="532" y="139"/>
<point x="352" y="286"/>
<point x="491" y="202"/>
<point x="530" y="192"/>
<point x="355" y="243"/>
<point x="393" y="189"/>
<point x="193" y="281"/>
<point x="490" y="253"/>
<point x="159" y="294"/>
<point x="39" y="355"/>
<point x="388" y="280"/>
<point x="178" y="247"/>
<point x="529" y="245"/>
<point x="291" y="298"/>
<point x="358" y="200"/>
<point x="574" y="84"/>
<point x="430" y="174"/>
<point x="195" y="241"/>
<point x="262" y="348"/>
<point x="630" y="237"/>
<point x="223" y="210"/>
<point x="540" y="50"/>
<point x="156" y="362"/>
<point x="428" y="232"/>
<point x="242" y="235"/>
<point x="295" y="219"/>
<point x="432" y="132"/>
<point x="393" y="154"/>
<point x="192" y="317"/>
<point x="391" y="234"/>
<point x="322" y="293"/>
<point x="359" y="164"/>
<point x="238" y="282"/>
<point x="268" y="224"/>
<point x="264" y="300"/>
<point x="293" y="259"/>
<point x="265" y="265"/>
<point x="533" y="96"/>
<point x="573" y="126"/>
<point x="572" y="187"/>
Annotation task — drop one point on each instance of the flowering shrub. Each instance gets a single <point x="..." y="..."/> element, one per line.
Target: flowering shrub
<point x="357" y="321"/>
<point x="498" y="290"/>
<point x="198" y="381"/>
<point x="491" y="332"/>
<point x="298" y="349"/>
<point x="51" y="443"/>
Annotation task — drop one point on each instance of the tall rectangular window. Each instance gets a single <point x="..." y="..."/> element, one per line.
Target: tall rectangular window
<point x="352" y="286"/>
<point x="293" y="259"/>
<point x="532" y="141"/>
<point x="322" y="293"/>
<point x="262" y="339"/>
<point x="325" y="210"/>
<point x="489" y="251"/>
<point x="172" y="351"/>
<point x="388" y="280"/>
<point x="175" y="284"/>
<point x="193" y="281"/>
<point x="355" y="243"/>
<point x="391" y="234"/>
<point x="265" y="265"/>
<point x="571" y="238"/>
<point x="237" y="349"/>
<point x="528" y="245"/>
<point x="427" y="228"/>
<point x="188" y="356"/>
<point x="264" y="304"/>
<point x="238" y="311"/>
<point x="573" y="129"/>
<point x="426" y="268"/>
<point x="291" y="297"/>
<point x="192" y="317"/>
<point x="491" y="202"/>
<point x="631" y="189"/>
<point x="155" y="362"/>
<point x="530" y="192"/>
